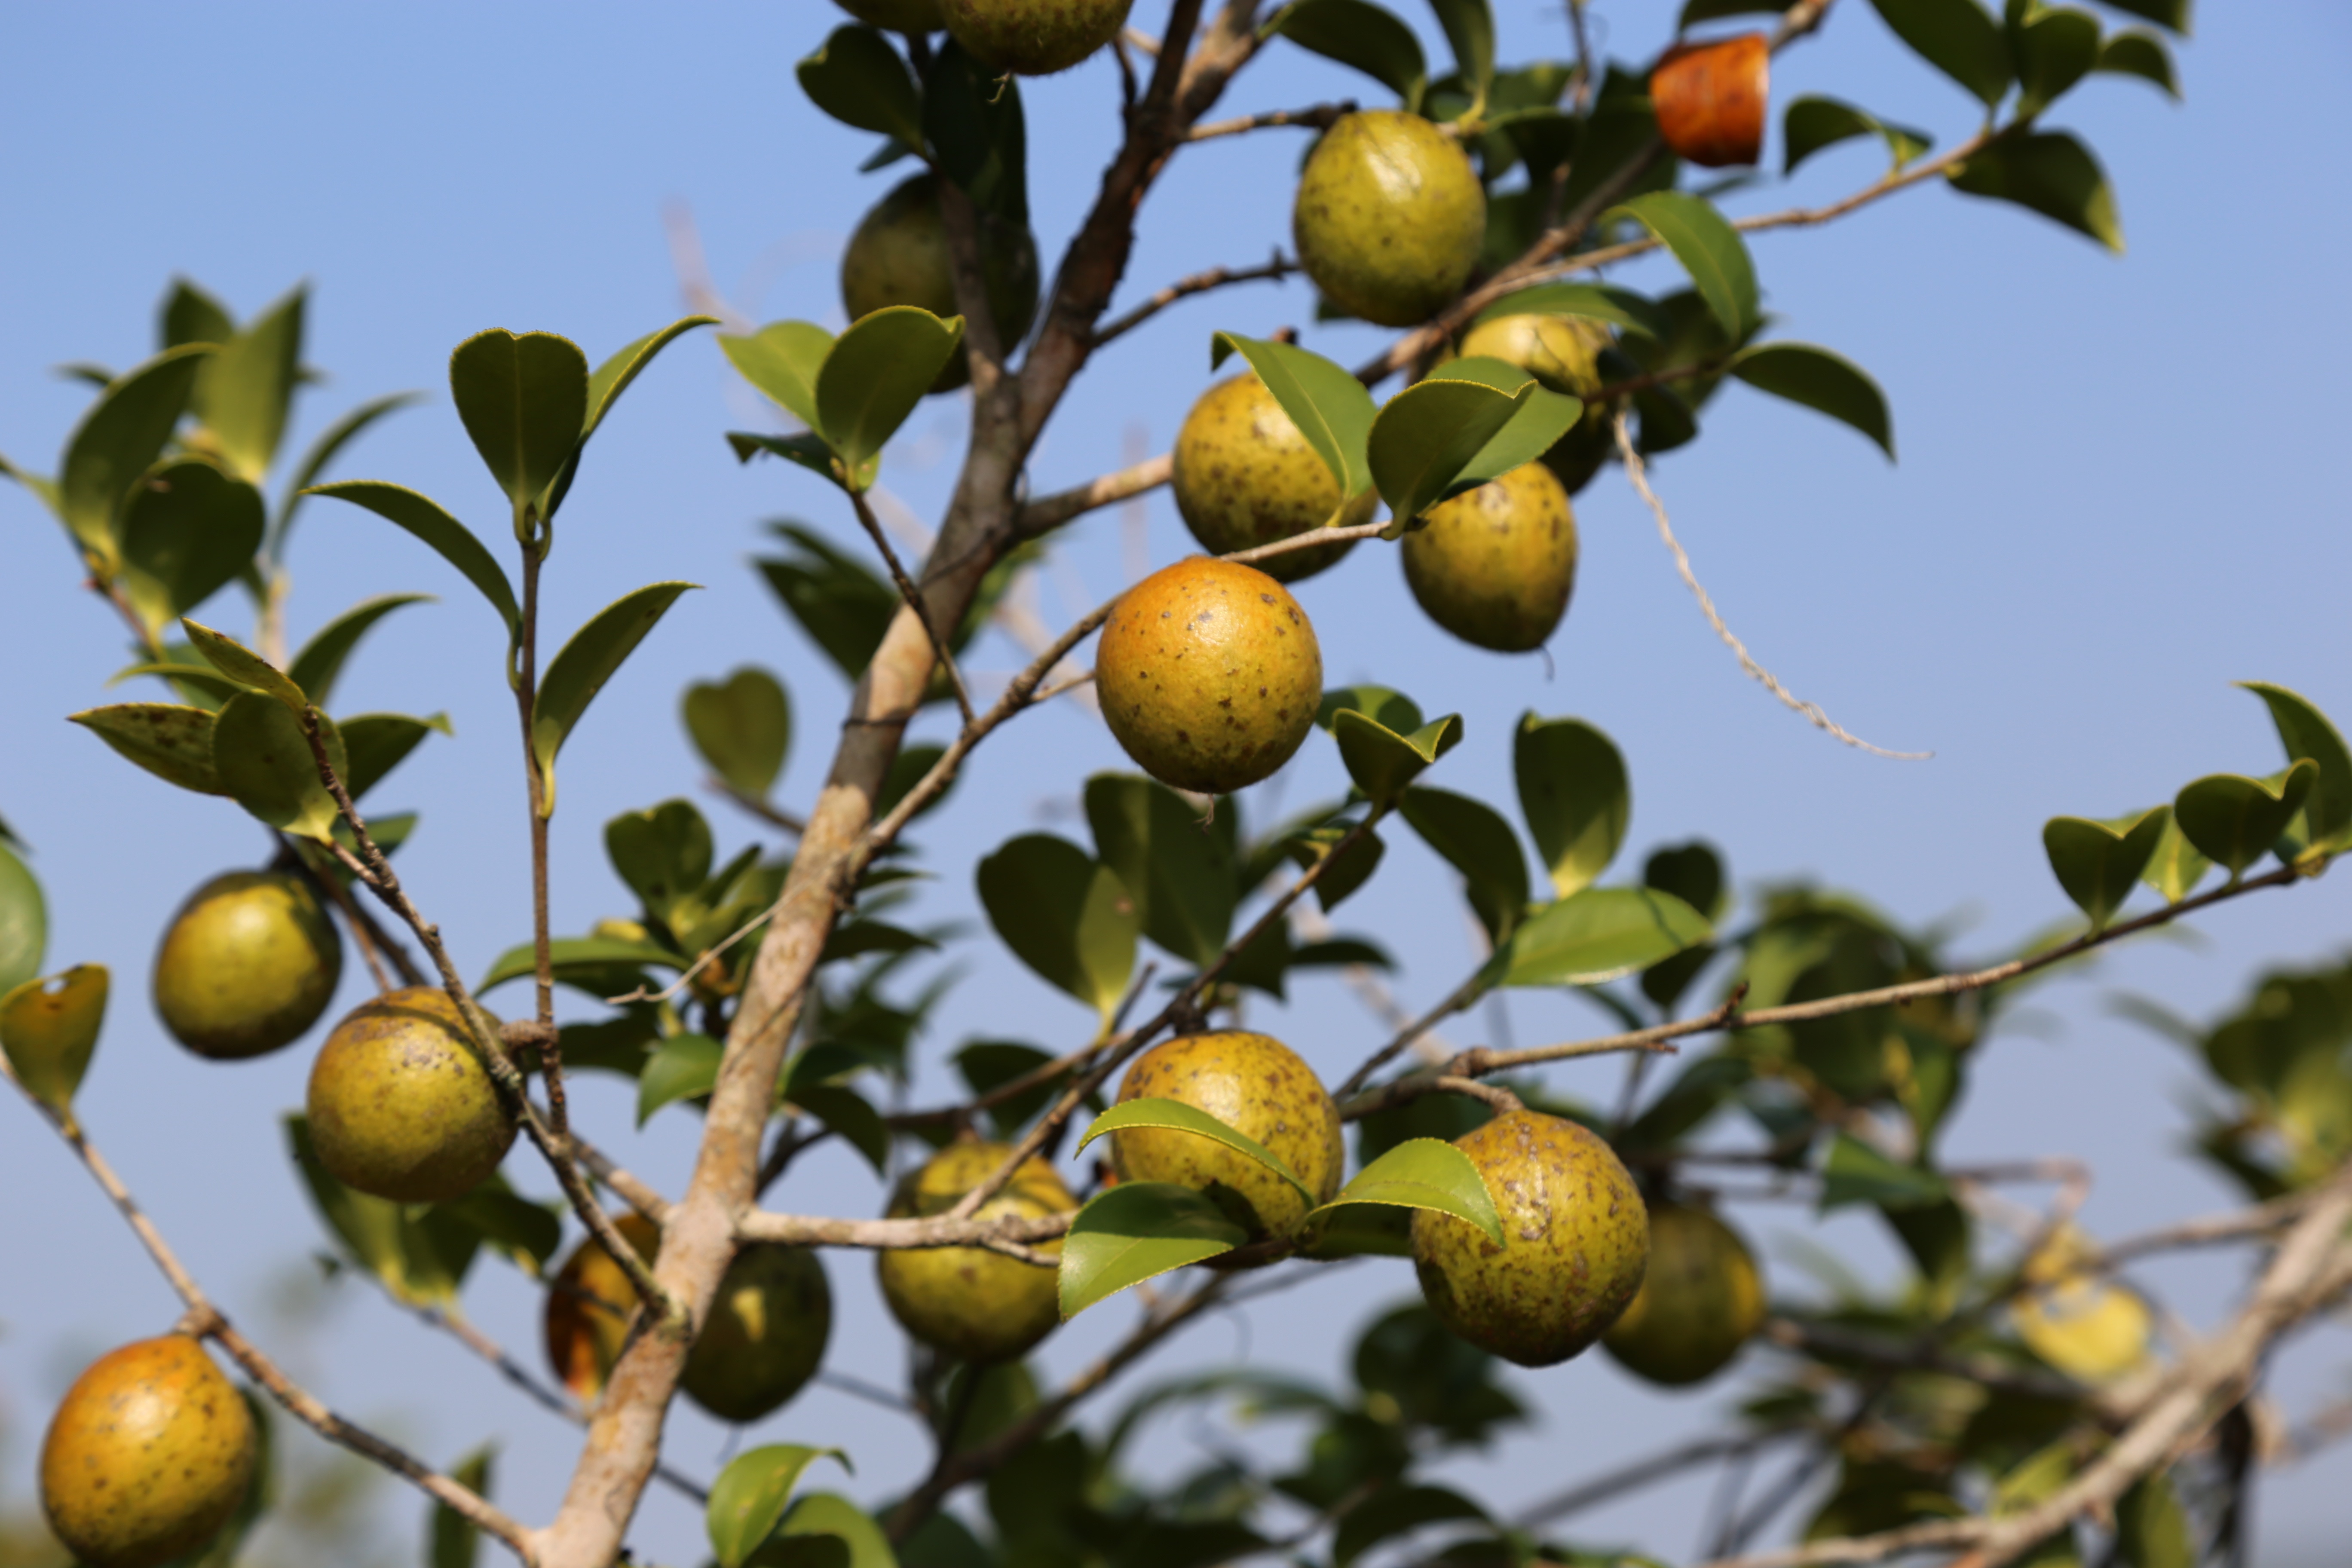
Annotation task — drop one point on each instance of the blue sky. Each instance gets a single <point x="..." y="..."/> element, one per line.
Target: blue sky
<point x="2119" y="490"/>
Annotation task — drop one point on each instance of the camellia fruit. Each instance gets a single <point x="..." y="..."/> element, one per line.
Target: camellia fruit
<point x="1495" y="565"/>
<point x="400" y="1106"/>
<point x="1243" y="476"/>
<point x="898" y="16"/>
<point x="1208" y="675"/>
<point x="1255" y="1085"/>
<point x="1700" y="1301"/>
<point x="1562" y="352"/>
<point x="148" y="1456"/>
<point x="1390" y="217"/>
<point x="1575" y="1240"/>
<point x="898" y="255"/>
<point x="974" y="1304"/>
<point x="1033" y="37"/>
<point x="1710" y="99"/>
<point x="249" y="963"/>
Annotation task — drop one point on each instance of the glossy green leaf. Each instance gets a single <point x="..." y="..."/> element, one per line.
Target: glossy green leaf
<point x="1710" y="249"/>
<point x="172" y="742"/>
<point x="662" y="854"/>
<point x="24" y="919"/>
<point x="1425" y="1174"/>
<point x="324" y="451"/>
<point x="684" y="1067"/>
<point x="320" y="663"/>
<point x="49" y="1030"/>
<point x="1176" y="1116"/>
<point x="1598" y="935"/>
<point x="781" y="359"/>
<point x="1813" y="124"/>
<point x="186" y="530"/>
<point x="747" y="1499"/>
<point x="119" y="440"/>
<point x="1389" y="709"/>
<point x="1382" y="762"/>
<point x="1475" y="841"/>
<point x="1063" y="914"/>
<point x="859" y="80"/>
<point x="2305" y="731"/>
<point x="1575" y="796"/>
<point x="1543" y="417"/>
<point x="2049" y="173"/>
<point x="743" y="728"/>
<point x="2097" y="862"/>
<point x="1138" y="1231"/>
<point x="597" y="954"/>
<point x="1363" y="36"/>
<point x="242" y="665"/>
<point x="245" y="390"/>
<point x="1160" y="848"/>
<point x="264" y="762"/>
<point x="1469" y="28"/>
<point x="454" y="1542"/>
<point x="2176" y="868"/>
<point x="375" y="743"/>
<point x="2234" y="821"/>
<point x="1856" y="1172"/>
<point x="976" y="130"/>
<point x="524" y="402"/>
<point x="878" y="370"/>
<point x="1621" y="308"/>
<point x="1425" y="439"/>
<point x="1824" y="382"/>
<point x="1958" y="37"/>
<point x="2142" y="54"/>
<point x="1333" y="411"/>
<point x="2055" y="47"/>
<point x="449" y="537"/>
<point x="585" y="663"/>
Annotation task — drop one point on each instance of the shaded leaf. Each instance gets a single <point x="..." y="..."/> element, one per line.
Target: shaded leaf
<point x="1858" y="1173"/>
<point x="1137" y="1231"/>
<point x="264" y="762"/>
<point x="662" y="854"/>
<point x="1425" y="1174"/>
<point x="449" y="538"/>
<point x="1710" y="249"/>
<point x="527" y="1232"/>
<point x="172" y="742"/>
<point x="2176" y="868"/>
<point x="245" y="390"/>
<point x="973" y="122"/>
<point x="454" y="1542"/>
<point x="1176" y="1116"/>
<point x="683" y="1067"/>
<point x="1469" y="28"/>
<point x="49" y="1030"/>
<point x="1389" y="709"/>
<point x="1393" y="1512"/>
<point x="858" y="79"/>
<point x="1813" y="124"/>
<point x="1063" y="914"/>
<point x="24" y="919"/>
<point x="1331" y="408"/>
<point x="2170" y="15"/>
<point x="878" y="370"/>
<point x="1424" y="440"/>
<point x="1382" y="762"/>
<point x="586" y="662"/>
<point x="190" y="315"/>
<point x="1958" y="37"/>
<point x="2305" y="731"/>
<point x="524" y="402"/>
<point x="1475" y="841"/>
<point x="375" y="743"/>
<point x="2234" y="820"/>
<point x="598" y="954"/>
<point x="1354" y="869"/>
<point x="420" y="1258"/>
<point x="1363" y="36"/>
<point x="747" y="1499"/>
<point x="2055" y="47"/>
<point x="119" y="440"/>
<point x="1824" y="382"/>
<point x="2097" y="862"/>
<point x="1597" y="935"/>
<point x="1159" y="846"/>
<point x="828" y="1520"/>
<point x="845" y="609"/>
<point x="1621" y="308"/>
<point x="1576" y="798"/>
<point x="316" y="668"/>
<point x="742" y="727"/>
<point x="781" y="359"/>
<point x="854" y="1118"/>
<point x="187" y="530"/>
<point x="2052" y="173"/>
<point x="2151" y="1529"/>
<point x="2142" y="54"/>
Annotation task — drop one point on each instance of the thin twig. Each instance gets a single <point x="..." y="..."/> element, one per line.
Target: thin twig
<point x="1321" y="117"/>
<point x="915" y="601"/>
<point x="1276" y="269"/>
<point x="1046" y="513"/>
<point x="774" y="816"/>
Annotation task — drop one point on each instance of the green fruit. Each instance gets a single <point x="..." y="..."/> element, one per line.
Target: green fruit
<point x="1033" y="37"/>
<point x="898" y="16"/>
<point x="898" y="255"/>
<point x="1563" y="354"/>
<point x="1244" y="477"/>
<point x="1494" y="566"/>
<point x="1208" y="675"/>
<point x="1255" y="1085"/>
<point x="1575" y="1237"/>
<point x="400" y="1106"/>
<point x="149" y="1455"/>
<point x="1699" y="1302"/>
<point x="1390" y="217"/>
<point x="973" y="1303"/>
<point x="765" y="1334"/>
<point x="249" y="963"/>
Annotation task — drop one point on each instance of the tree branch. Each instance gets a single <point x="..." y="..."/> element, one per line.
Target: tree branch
<point x="913" y="599"/>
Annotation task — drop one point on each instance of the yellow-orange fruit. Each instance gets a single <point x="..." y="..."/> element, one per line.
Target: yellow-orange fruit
<point x="973" y="1303"/>
<point x="1243" y="476"/>
<point x="400" y="1106"/>
<point x="1389" y="216"/>
<point x="148" y="1456"/>
<point x="1700" y="1301"/>
<point x="1495" y="565"/>
<point x="1260" y="1087"/>
<point x="249" y="963"/>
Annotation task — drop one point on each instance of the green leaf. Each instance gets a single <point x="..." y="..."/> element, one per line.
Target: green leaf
<point x="2176" y="868"/>
<point x="2055" y="47"/>
<point x="24" y="921"/>
<point x="1425" y="439"/>
<point x="1138" y="1231"/>
<point x="878" y="370"/>
<point x="1575" y="796"/>
<point x="823" y="1519"/>
<point x="447" y="536"/>
<point x="845" y="609"/>
<point x="1331" y="408"/>
<point x="1856" y="1172"/>
<point x="524" y="402"/>
<point x="1064" y="915"/>
<point x="743" y="728"/>
<point x="2049" y="173"/>
<point x="859" y="80"/>
<point x="1389" y="709"/>
<point x="662" y="854"/>
<point x="455" y="1543"/>
<point x="1598" y="935"/>
<point x="527" y="1231"/>
<point x="1358" y="34"/>
<point x="44" y="490"/>
<point x="187" y="530"/>
<point x="1382" y="762"/>
<point x="1396" y="1510"/>
<point x="172" y="742"/>
<point x="1958" y="37"/>
<point x="973" y="123"/>
<point x="2305" y="731"/>
<point x="264" y="762"/>
<point x="2098" y="861"/>
<point x="2170" y="15"/>
<point x="586" y="662"/>
<point x="119" y="440"/>
<point x="1692" y="873"/>
<point x="614" y="377"/>
<point x="244" y="666"/>
<point x="1621" y="308"/>
<point x="419" y="1253"/>
<point x="1813" y="124"/>
<point x="316" y="668"/>
<point x="1425" y="1174"/>
<point x="850" y="1115"/>
<point x="1160" y="848"/>
<point x="1716" y="10"/>
<point x="245" y="390"/>
<point x="1176" y="1116"/>
<point x="597" y="954"/>
<point x="809" y="451"/>
<point x="1475" y="841"/>
<point x="2234" y="820"/>
<point x="2142" y="54"/>
<point x="2151" y="1529"/>
<point x="747" y="1499"/>
<point x="781" y="359"/>
<point x="1543" y="417"/>
<point x="375" y="743"/>
<point x="1469" y="28"/>
<point x="49" y="1030"/>
<point x="200" y="684"/>
<point x="684" y="1067"/>
<point x="1710" y="249"/>
<point x="190" y="315"/>
<point x="324" y="451"/>
<point x="1826" y="382"/>
<point x="1354" y="869"/>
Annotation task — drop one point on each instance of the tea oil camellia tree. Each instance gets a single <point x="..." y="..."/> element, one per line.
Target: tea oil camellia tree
<point x="2005" y="1403"/>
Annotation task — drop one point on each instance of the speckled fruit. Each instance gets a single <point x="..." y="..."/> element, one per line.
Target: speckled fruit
<point x="1563" y="354"/>
<point x="898" y="16"/>
<point x="1244" y="477"/>
<point x="898" y="255"/>
<point x="148" y="1456"/>
<point x="1575" y="1237"/>
<point x="1699" y="1302"/>
<point x="249" y="963"/>
<point x="400" y="1106"/>
<point x="1496" y="566"/>
<point x="1033" y="37"/>
<point x="1208" y="675"/>
<point x="1390" y="217"/>
<point x="1255" y="1085"/>
<point x="973" y="1303"/>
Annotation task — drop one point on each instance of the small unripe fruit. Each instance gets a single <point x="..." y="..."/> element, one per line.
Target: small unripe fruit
<point x="400" y="1106"/>
<point x="973" y="1303"/>
<point x="1562" y="352"/>
<point x="1208" y="675"/>
<point x="898" y="16"/>
<point x="1033" y="37"/>
<point x="1244" y="477"/>
<point x="1390" y="217"/>
<point x="898" y="255"/>
<point x="1700" y="1301"/>
<point x="1495" y="565"/>
<point x="249" y="963"/>
<point x="1575" y="1239"/>
<point x="1255" y="1085"/>
<point x="148" y="1456"/>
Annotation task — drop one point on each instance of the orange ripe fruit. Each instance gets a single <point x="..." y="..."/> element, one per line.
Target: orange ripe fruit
<point x="1710" y="99"/>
